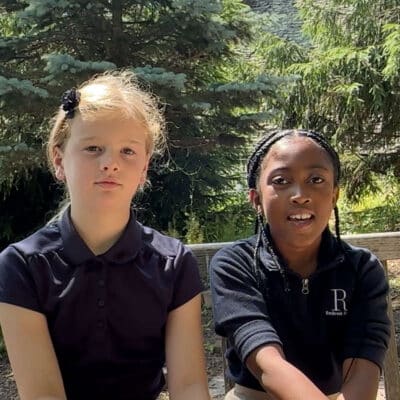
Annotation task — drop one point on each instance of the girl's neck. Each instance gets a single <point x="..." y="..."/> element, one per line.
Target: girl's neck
<point x="302" y="260"/>
<point x="100" y="231"/>
<point x="303" y="263"/>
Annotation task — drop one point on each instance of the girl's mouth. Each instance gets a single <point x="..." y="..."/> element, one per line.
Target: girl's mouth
<point x="301" y="220"/>
<point x="301" y="217"/>
<point x="108" y="184"/>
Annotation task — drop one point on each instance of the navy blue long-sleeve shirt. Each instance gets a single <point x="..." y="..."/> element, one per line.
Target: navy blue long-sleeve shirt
<point x="339" y="312"/>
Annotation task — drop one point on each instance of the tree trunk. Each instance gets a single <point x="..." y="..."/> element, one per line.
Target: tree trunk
<point x="117" y="50"/>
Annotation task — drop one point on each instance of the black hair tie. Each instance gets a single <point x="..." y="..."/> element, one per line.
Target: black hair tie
<point x="69" y="101"/>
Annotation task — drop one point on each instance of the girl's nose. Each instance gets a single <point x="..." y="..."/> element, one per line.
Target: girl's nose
<point x="109" y="163"/>
<point x="299" y="195"/>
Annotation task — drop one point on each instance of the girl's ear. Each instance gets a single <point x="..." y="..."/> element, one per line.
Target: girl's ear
<point x="143" y="177"/>
<point x="255" y="199"/>
<point x="58" y="163"/>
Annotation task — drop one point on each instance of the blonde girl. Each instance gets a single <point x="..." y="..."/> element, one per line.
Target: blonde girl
<point x="93" y="304"/>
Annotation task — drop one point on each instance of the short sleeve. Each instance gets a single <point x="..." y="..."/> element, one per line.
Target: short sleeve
<point x="240" y="311"/>
<point x="368" y="329"/>
<point x="17" y="285"/>
<point x="187" y="282"/>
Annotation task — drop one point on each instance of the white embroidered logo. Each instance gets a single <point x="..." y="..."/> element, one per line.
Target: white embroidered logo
<point x="339" y="303"/>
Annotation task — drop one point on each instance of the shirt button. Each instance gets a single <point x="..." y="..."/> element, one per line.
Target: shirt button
<point x="101" y="303"/>
<point x="100" y="324"/>
<point x="101" y="282"/>
<point x="92" y="263"/>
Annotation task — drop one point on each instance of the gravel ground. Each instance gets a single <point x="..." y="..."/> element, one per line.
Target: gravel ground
<point x="7" y="386"/>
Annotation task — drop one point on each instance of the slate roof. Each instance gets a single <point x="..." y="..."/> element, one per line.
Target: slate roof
<point x="288" y="25"/>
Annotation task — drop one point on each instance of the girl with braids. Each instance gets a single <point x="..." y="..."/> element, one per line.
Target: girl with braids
<point x="94" y="303"/>
<point x="303" y="311"/>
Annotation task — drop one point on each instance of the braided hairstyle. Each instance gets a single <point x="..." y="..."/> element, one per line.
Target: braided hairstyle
<point x="253" y="173"/>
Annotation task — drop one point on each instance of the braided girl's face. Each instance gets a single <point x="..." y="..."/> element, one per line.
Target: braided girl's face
<point x="296" y="192"/>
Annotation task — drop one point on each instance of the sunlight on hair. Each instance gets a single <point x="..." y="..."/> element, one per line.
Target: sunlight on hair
<point x="112" y="95"/>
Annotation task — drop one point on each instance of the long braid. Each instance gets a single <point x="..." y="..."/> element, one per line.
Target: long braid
<point x="263" y="237"/>
<point x="256" y="260"/>
<point x="337" y="224"/>
<point x="282" y="270"/>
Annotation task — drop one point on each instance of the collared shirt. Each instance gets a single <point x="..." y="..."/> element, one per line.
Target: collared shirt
<point x="107" y="313"/>
<point x="339" y="312"/>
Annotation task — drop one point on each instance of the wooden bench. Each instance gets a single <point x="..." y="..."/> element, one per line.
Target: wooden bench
<point x="386" y="246"/>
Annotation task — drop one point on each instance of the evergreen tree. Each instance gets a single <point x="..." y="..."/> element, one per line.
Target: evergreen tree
<point x="189" y="52"/>
<point x="346" y="82"/>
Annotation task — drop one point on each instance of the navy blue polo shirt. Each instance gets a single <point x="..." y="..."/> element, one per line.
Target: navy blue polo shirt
<point x="339" y="312"/>
<point x="107" y="313"/>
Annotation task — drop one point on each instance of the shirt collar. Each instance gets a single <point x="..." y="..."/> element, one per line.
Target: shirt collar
<point x="77" y="252"/>
<point x="330" y="252"/>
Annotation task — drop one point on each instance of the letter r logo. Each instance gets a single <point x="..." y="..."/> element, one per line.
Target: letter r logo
<point x="339" y="296"/>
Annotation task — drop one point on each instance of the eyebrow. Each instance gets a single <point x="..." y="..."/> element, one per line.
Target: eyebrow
<point x="310" y="167"/>
<point x="90" y="138"/>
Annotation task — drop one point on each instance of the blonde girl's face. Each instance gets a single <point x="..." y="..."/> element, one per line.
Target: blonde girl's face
<point x="103" y="163"/>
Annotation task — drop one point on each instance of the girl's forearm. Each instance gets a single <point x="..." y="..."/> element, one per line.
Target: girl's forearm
<point x="281" y="379"/>
<point x="285" y="382"/>
<point x="196" y="391"/>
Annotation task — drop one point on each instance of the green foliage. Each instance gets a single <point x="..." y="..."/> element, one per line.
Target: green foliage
<point x="346" y="82"/>
<point x="391" y="46"/>
<point x="194" y="232"/>
<point x="192" y="54"/>
<point x="22" y="87"/>
<point x="376" y="211"/>
<point x="231" y="219"/>
<point x="57" y="65"/>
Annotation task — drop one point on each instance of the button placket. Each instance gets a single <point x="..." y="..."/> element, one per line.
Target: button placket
<point x="101" y="303"/>
<point x="101" y="299"/>
<point x="101" y="282"/>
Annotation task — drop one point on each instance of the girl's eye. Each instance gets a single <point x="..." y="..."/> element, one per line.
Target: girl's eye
<point x="93" y="149"/>
<point x="279" y="181"/>
<point x="316" y="179"/>
<point x="128" y="151"/>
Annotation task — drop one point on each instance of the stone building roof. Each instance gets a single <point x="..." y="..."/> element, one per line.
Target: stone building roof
<point x="288" y="23"/>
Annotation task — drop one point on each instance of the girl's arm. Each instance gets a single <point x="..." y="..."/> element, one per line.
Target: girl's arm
<point x="368" y="331"/>
<point x="280" y="378"/>
<point x="187" y="377"/>
<point x="362" y="380"/>
<point x="31" y="354"/>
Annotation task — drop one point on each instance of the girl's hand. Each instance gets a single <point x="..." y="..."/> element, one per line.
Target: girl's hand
<point x="362" y="380"/>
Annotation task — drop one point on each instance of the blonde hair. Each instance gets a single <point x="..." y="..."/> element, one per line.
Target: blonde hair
<point x="109" y="95"/>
